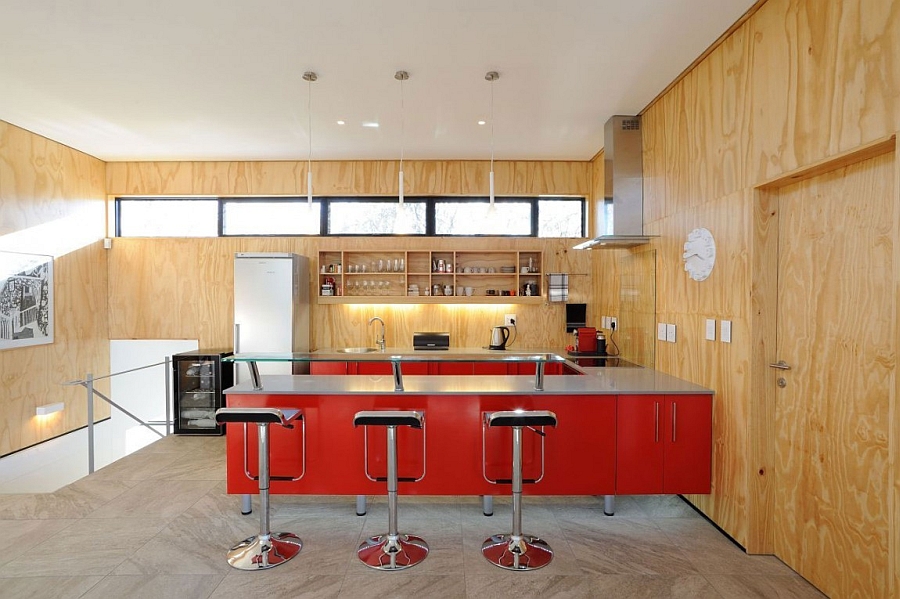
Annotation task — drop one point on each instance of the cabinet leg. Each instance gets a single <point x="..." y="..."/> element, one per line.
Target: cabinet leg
<point x="246" y="508"/>
<point x="609" y="505"/>
<point x="360" y="505"/>
<point x="487" y="505"/>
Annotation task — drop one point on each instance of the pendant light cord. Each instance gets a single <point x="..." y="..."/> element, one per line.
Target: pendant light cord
<point x="492" y="124"/>
<point x="309" y="77"/>
<point x="401" y="76"/>
<point x="492" y="76"/>
<point x="309" y="122"/>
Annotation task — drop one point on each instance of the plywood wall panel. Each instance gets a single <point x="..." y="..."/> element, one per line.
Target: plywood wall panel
<point x="52" y="202"/>
<point x="654" y="165"/>
<point x="221" y="178"/>
<point x="150" y="178"/>
<point x="155" y="290"/>
<point x="145" y="274"/>
<point x="375" y="178"/>
<point x="798" y="83"/>
<point x="281" y="178"/>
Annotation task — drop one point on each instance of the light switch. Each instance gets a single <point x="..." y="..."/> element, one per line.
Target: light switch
<point x="726" y="331"/>
<point x="661" y="331"/>
<point x="710" y="329"/>
<point x="670" y="333"/>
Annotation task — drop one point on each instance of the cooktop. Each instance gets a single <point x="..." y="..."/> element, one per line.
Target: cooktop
<point x="602" y="361"/>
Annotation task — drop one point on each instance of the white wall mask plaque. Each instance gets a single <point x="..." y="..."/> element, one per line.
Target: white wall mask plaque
<point x="699" y="254"/>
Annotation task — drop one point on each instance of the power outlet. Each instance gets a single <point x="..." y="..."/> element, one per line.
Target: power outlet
<point x="613" y="323"/>
<point x="510" y="320"/>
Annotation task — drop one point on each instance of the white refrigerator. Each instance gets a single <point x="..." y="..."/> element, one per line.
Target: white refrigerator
<point x="271" y="309"/>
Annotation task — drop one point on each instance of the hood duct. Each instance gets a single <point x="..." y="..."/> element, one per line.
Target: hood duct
<point x="619" y="219"/>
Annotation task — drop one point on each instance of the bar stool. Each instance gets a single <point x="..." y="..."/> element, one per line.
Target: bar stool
<point x="268" y="549"/>
<point x="516" y="551"/>
<point x="391" y="551"/>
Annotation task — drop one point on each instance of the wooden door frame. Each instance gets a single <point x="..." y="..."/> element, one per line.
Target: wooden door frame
<point x="761" y="432"/>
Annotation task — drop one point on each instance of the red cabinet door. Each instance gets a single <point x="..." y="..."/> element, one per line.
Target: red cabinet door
<point x="373" y="368"/>
<point x="639" y="444"/>
<point x="463" y="368"/>
<point x="492" y="368"/>
<point x="688" y="444"/>
<point x="328" y="368"/>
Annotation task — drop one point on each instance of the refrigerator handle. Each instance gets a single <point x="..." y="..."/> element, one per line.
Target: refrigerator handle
<point x="237" y="338"/>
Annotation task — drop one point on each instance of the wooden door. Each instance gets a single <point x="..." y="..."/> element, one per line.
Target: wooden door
<point x="835" y="330"/>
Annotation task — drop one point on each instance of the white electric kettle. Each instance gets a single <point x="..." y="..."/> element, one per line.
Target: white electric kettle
<point x="499" y="337"/>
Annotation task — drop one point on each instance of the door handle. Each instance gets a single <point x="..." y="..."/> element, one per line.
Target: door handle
<point x="780" y="365"/>
<point x="656" y="418"/>
<point x="674" y="419"/>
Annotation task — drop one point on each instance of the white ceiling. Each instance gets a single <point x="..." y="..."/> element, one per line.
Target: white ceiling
<point x="222" y="79"/>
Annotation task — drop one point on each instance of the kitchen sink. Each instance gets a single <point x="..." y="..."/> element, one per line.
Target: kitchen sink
<point x="356" y="350"/>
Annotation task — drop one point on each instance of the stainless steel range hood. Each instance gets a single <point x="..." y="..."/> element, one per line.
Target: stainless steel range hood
<point x="619" y="219"/>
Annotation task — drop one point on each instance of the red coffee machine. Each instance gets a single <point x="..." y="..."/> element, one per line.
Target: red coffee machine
<point x="586" y="340"/>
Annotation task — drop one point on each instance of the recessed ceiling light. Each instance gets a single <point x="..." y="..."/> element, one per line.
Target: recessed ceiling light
<point x="371" y="125"/>
<point x="482" y="122"/>
<point x="341" y="123"/>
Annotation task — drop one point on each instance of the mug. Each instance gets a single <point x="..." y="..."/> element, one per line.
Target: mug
<point x="469" y="290"/>
<point x="459" y="290"/>
<point x="448" y="290"/>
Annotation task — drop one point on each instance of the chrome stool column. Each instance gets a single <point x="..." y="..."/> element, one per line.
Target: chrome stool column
<point x="516" y="551"/>
<point x="268" y="549"/>
<point x="391" y="551"/>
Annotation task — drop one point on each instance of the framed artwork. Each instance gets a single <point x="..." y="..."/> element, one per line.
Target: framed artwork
<point x="26" y="299"/>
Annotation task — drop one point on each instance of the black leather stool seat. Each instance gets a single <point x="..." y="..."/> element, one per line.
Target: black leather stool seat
<point x="280" y="416"/>
<point x="389" y="418"/>
<point x="518" y="418"/>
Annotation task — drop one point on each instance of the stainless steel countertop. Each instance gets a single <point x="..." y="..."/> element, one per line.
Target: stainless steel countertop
<point x="596" y="381"/>
<point x="406" y="354"/>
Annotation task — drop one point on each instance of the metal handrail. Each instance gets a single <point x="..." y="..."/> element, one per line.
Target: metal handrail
<point x="107" y="376"/>
<point x="88" y="383"/>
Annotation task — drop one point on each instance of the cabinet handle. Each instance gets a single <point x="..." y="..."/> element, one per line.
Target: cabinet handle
<point x="656" y="415"/>
<point x="674" y="419"/>
<point x="237" y="338"/>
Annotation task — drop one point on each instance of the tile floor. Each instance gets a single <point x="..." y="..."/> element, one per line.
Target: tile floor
<point x="158" y="522"/>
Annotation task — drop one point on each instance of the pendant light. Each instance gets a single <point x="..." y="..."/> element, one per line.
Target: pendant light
<point x="309" y="77"/>
<point x="492" y="76"/>
<point x="401" y="76"/>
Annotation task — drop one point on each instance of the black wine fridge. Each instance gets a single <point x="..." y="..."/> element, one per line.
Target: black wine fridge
<point x="200" y="377"/>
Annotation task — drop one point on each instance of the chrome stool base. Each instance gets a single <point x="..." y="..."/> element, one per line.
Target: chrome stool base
<point x="517" y="553"/>
<point x="392" y="552"/>
<point x="256" y="554"/>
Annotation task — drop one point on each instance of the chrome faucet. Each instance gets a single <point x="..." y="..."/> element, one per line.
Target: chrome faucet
<point x="379" y="339"/>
